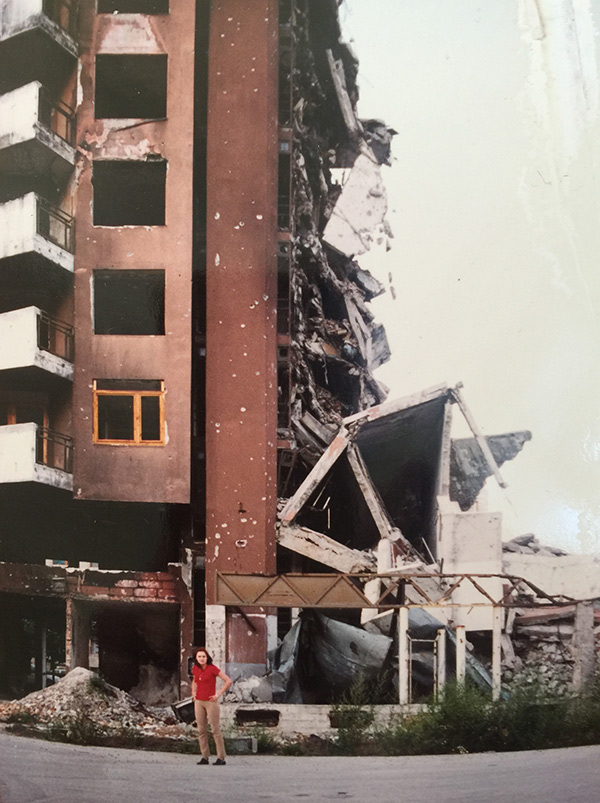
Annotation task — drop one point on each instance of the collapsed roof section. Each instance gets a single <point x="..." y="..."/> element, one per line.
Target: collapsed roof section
<point x="379" y="481"/>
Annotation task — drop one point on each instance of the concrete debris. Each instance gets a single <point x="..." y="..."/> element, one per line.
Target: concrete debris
<point x="360" y="209"/>
<point x="322" y="658"/>
<point x="334" y="343"/>
<point x="469" y="468"/>
<point x="255" y="689"/>
<point x="528" y="544"/>
<point x="83" y="695"/>
<point x="543" y="646"/>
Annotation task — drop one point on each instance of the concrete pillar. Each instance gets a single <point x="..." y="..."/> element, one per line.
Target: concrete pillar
<point x="40" y="654"/>
<point x="461" y="653"/>
<point x="183" y="579"/>
<point x="583" y="645"/>
<point x="440" y="668"/>
<point x="216" y="641"/>
<point x="497" y="652"/>
<point x="271" y="631"/>
<point x="81" y="631"/>
<point x="241" y="290"/>
<point x="404" y="667"/>
<point x="69" y="634"/>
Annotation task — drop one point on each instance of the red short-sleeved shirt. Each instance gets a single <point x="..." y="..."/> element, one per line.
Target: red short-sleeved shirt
<point x="206" y="681"/>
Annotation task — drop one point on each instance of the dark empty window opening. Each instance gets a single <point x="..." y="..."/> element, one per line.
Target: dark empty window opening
<point x="129" y="193"/>
<point x="129" y="302"/>
<point x="133" y="6"/>
<point x="265" y="717"/>
<point x="131" y="86"/>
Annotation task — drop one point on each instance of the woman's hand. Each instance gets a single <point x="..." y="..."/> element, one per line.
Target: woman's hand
<point x="213" y="698"/>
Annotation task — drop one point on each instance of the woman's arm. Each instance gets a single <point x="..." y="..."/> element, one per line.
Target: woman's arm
<point x="226" y="684"/>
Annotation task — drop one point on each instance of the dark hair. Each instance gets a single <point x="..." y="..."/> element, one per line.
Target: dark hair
<point x="208" y="655"/>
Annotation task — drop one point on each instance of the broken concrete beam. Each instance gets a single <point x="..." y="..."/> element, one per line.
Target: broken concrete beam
<point x="359" y="210"/>
<point x="325" y="550"/>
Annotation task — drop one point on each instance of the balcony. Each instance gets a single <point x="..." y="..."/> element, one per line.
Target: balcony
<point x="33" y="342"/>
<point x="37" y="232"/>
<point x="37" y="42"/>
<point x="36" y="134"/>
<point x="29" y="453"/>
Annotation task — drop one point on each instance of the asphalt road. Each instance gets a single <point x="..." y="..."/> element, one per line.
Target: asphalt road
<point x="33" y="771"/>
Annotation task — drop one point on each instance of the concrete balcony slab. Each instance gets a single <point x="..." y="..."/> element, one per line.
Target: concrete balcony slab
<point x="35" y="134"/>
<point x="29" y="453"/>
<point x="32" y="340"/>
<point x="34" y="227"/>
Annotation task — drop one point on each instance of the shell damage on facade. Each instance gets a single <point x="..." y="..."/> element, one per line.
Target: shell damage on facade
<point x="186" y="191"/>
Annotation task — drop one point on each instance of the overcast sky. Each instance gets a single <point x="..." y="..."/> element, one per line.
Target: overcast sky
<point x="494" y="201"/>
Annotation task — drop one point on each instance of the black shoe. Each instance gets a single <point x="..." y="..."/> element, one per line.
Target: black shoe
<point x="219" y="762"/>
<point x="202" y="761"/>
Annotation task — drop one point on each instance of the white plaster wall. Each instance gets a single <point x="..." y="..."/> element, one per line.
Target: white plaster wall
<point x="472" y="543"/>
<point x="216" y="633"/>
<point x="19" y="236"/>
<point x="19" y="114"/>
<point x="130" y="33"/>
<point x="17" y="224"/>
<point x="576" y="576"/>
<point x="305" y="720"/>
<point x="18" y="336"/>
<point x="17" y="459"/>
<point x="15" y="14"/>
<point x="17" y="453"/>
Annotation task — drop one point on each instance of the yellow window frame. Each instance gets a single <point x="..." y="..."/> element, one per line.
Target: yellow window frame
<point x="137" y="396"/>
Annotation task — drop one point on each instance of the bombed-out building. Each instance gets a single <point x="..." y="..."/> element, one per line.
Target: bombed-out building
<point x="193" y="446"/>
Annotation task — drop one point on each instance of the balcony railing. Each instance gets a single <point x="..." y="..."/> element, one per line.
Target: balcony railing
<point x="54" y="450"/>
<point x="63" y="13"/>
<point x="57" y="116"/>
<point x="55" y="336"/>
<point x="55" y="225"/>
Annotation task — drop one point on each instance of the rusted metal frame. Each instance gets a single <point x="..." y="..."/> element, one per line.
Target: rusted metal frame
<point x="223" y="578"/>
<point x="484" y="592"/>
<point x="560" y="599"/>
<point x="295" y="589"/>
<point x="336" y="579"/>
<point x="479" y="437"/>
<point x="340" y="579"/>
<point x="452" y="588"/>
<point x="335" y="449"/>
<point x="395" y="585"/>
<point x="419" y="590"/>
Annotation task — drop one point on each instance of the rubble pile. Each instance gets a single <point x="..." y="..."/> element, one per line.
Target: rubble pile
<point x="83" y="696"/>
<point x="335" y="342"/>
<point x="528" y="544"/>
<point x="540" y="645"/>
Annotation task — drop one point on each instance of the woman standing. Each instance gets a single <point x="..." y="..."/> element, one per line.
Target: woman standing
<point x="206" y="706"/>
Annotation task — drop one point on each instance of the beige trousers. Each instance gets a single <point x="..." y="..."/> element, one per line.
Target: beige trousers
<point x="206" y="710"/>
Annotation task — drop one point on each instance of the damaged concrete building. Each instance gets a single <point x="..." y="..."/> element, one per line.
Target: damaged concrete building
<point x="193" y="446"/>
